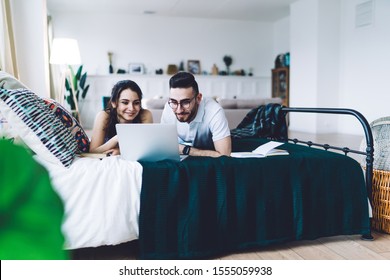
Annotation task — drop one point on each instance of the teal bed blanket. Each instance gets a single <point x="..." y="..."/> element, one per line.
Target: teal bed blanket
<point x="203" y="207"/>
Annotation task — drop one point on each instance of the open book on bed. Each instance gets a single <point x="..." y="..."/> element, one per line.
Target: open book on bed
<point x="265" y="150"/>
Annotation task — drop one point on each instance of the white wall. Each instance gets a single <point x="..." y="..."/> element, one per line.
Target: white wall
<point x="365" y="60"/>
<point x="303" y="62"/>
<point x="29" y="22"/>
<point x="334" y="64"/>
<point x="328" y="63"/>
<point x="314" y="80"/>
<point x="159" y="41"/>
<point x="281" y="33"/>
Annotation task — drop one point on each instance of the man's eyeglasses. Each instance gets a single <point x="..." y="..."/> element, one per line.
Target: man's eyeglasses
<point x="185" y="103"/>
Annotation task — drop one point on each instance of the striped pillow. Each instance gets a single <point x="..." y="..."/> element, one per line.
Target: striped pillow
<point x="70" y="123"/>
<point x="38" y="127"/>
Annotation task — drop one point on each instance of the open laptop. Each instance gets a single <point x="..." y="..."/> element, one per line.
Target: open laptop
<point x="148" y="142"/>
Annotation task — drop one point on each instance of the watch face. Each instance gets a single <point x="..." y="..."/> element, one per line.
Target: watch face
<point x="186" y="150"/>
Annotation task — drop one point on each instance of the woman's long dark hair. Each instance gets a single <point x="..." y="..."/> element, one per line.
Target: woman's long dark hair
<point x="111" y="111"/>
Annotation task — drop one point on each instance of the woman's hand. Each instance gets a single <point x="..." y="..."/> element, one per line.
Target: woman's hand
<point x="110" y="147"/>
<point x="112" y="152"/>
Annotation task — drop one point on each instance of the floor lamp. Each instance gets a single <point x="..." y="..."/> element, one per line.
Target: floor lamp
<point x="65" y="52"/>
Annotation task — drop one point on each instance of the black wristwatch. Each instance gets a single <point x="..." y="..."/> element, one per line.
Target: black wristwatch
<point x="186" y="150"/>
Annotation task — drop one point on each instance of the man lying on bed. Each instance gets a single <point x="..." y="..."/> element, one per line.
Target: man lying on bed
<point x="201" y="123"/>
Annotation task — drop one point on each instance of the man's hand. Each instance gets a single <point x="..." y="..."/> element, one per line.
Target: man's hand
<point x="223" y="147"/>
<point x="181" y="147"/>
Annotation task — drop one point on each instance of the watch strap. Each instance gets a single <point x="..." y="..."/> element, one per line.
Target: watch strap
<point x="186" y="150"/>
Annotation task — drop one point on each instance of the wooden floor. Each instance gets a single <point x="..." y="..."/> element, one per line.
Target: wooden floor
<point x="329" y="248"/>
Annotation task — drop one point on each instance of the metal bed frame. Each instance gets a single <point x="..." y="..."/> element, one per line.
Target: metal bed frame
<point x="369" y="153"/>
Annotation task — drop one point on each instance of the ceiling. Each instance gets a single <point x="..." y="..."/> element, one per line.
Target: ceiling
<point x="248" y="10"/>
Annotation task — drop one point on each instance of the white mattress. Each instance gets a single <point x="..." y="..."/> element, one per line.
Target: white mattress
<point x="101" y="200"/>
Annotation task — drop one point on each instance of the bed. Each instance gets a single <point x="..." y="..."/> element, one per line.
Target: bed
<point x="202" y="206"/>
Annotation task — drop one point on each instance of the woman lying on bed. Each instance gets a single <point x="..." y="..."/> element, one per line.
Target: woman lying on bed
<point x="124" y="107"/>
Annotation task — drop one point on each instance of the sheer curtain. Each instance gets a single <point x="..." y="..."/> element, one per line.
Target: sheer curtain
<point x="8" y="62"/>
<point x="53" y="70"/>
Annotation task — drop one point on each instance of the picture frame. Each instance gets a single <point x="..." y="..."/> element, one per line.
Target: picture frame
<point x="136" y="68"/>
<point x="193" y="67"/>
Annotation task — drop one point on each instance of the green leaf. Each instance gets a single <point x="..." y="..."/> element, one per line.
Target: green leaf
<point x="82" y="80"/>
<point x="75" y="80"/>
<point x="70" y="101"/>
<point x="85" y="92"/>
<point x="71" y="71"/>
<point x="78" y="75"/>
<point x="67" y="85"/>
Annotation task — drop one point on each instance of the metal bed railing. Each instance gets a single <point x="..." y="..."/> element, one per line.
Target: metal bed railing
<point x="369" y="153"/>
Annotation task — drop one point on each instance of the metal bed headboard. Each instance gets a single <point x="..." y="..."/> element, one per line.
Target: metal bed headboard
<point x="368" y="135"/>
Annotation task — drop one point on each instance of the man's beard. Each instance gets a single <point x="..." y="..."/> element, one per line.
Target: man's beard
<point x="187" y="116"/>
<point x="183" y="117"/>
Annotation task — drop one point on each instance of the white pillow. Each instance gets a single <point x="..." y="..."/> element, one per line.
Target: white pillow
<point x="155" y="103"/>
<point x="9" y="82"/>
<point x="228" y="103"/>
<point x="249" y="103"/>
<point x="38" y="127"/>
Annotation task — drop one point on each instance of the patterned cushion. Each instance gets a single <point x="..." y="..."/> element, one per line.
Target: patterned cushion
<point x="70" y="123"/>
<point x="41" y="131"/>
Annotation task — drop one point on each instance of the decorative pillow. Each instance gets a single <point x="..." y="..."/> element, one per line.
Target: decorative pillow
<point x="381" y="133"/>
<point x="35" y="123"/>
<point x="70" y="123"/>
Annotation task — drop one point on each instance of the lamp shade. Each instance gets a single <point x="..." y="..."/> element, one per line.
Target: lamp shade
<point x="65" y="51"/>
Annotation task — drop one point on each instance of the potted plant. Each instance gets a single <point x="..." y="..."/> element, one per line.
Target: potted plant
<point x="77" y="90"/>
<point x="228" y="60"/>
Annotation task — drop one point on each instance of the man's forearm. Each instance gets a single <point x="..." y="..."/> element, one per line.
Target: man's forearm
<point x="204" y="153"/>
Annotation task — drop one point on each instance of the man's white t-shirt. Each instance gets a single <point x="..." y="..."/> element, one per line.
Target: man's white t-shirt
<point x="209" y="125"/>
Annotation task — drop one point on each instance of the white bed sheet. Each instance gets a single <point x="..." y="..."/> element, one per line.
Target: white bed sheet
<point x="101" y="199"/>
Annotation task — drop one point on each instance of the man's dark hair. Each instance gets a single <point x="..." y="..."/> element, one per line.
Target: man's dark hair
<point x="184" y="80"/>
